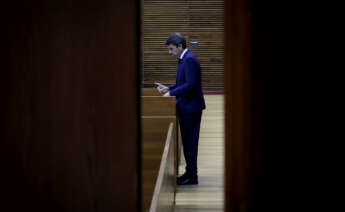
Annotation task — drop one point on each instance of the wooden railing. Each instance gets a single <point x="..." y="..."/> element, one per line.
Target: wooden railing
<point x="157" y="114"/>
<point x="163" y="199"/>
<point x="150" y="92"/>
<point x="152" y="105"/>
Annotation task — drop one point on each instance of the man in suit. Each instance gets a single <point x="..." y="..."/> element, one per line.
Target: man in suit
<point x="190" y="103"/>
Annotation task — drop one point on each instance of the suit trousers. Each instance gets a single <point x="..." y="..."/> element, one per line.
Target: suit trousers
<point x="190" y="129"/>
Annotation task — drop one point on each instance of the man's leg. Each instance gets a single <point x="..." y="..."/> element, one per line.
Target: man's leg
<point x="190" y="128"/>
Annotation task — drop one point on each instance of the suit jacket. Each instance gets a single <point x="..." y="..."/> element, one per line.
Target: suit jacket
<point x="188" y="88"/>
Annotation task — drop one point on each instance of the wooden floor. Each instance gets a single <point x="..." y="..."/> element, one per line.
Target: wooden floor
<point x="208" y="195"/>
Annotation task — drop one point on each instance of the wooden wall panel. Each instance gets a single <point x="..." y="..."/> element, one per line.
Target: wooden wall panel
<point x="251" y="139"/>
<point x="69" y="113"/>
<point x="200" y="21"/>
<point x="160" y="19"/>
<point x="206" y="26"/>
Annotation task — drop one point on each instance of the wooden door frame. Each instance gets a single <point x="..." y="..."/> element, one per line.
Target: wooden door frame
<point x="248" y="97"/>
<point x="247" y="93"/>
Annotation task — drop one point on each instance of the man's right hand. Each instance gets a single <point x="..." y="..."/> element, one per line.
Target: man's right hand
<point x="161" y="88"/>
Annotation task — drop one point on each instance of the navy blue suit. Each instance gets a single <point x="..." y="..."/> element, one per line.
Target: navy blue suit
<point x="190" y="103"/>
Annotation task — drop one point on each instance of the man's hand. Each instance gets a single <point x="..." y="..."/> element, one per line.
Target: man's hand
<point x="161" y="88"/>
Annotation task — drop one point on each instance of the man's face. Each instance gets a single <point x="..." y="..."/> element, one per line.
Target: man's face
<point x="175" y="51"/>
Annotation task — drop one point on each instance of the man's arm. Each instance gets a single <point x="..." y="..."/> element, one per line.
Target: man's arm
<point x="192" y="77"/>
<point x="171" y="87"/>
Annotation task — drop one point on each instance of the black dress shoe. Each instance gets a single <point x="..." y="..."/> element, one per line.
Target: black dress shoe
<point x="187" y="180"/>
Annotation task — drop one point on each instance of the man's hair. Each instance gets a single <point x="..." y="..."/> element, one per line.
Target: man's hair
<point x="176" y="39"/>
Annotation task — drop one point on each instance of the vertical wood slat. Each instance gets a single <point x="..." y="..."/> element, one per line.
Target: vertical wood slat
<point x="197" y="20"/>
<point x="238" y="108"/>
<point x="250" y="137"/>
<point x="67" y="121"/>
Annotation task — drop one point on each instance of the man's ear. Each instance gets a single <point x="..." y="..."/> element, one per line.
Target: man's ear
<point x="180" y="46"/>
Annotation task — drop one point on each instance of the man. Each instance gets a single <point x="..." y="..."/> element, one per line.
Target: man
<point x="190" y="103"/>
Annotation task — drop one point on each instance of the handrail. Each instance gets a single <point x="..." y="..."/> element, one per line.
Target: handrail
<point x="159" y="181"/>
